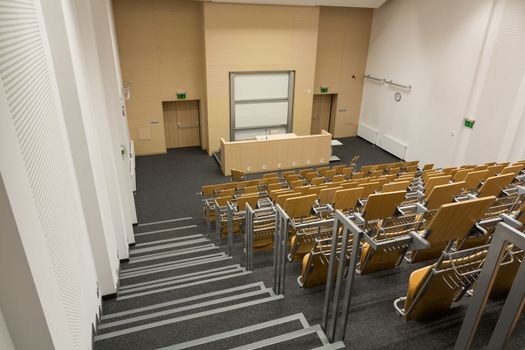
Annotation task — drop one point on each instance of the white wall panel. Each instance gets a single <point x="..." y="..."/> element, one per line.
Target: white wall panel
<point x="261" y="86"/>
<point x="249" y="115"/>
<point x="37" y="167"/>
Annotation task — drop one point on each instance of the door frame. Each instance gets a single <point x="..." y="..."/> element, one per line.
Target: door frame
<point x="199" y="121"/>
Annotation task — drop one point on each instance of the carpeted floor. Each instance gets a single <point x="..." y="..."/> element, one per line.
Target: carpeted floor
<point x="167" y="186"/>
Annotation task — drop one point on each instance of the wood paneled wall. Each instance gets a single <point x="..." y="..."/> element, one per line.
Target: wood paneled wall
<point x="171" y="45"/>
<point x="161" y="46"/>
<point x="342" y="51"/>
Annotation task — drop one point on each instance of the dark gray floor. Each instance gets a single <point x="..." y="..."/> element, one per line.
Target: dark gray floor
<point x="166" y="188"/>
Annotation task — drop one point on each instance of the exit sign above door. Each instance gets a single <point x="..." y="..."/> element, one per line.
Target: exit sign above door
<point x="181" y="95"/>
<point x="324" y="89"/>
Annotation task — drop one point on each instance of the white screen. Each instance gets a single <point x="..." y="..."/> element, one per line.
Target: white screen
<point x="249" y="115"/>
<point x="261" y="86"/>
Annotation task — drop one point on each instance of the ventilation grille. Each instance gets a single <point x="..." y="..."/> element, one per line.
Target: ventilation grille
<point x="25" y="76"/>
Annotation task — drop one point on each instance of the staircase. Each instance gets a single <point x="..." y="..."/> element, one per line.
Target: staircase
<point x="181" y="291"/>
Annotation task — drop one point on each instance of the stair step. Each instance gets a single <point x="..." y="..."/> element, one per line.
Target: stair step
<point x="167" y="246"/>
<point x="306" y="338"/>
<point x="167" y="286"/>
<point x="173" y="255"/>
<point x="174" y="269"/>
<point x="171" y="229"/>
<point x="133" y="268"/>
<point x="245" y="335"/>
<point x="154" y="334"/>
<point x="154" y="234"/>
<point x="168" y="240"/>
<point x="183" y="301"/>
<point x="178" y="277"/>
<point x="332" y="346"/>
<point x="179" y="311"/>
<point x="180" y="292"/>
<point x="144" y="226"/>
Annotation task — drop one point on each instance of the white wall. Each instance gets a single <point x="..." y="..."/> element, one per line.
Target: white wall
<point x="6" y="342"/>
<point x="438" y="47"/>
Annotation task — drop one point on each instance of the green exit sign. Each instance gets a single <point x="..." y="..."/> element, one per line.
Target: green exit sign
<point x="324" y="89"/>
<point x="181" y="95"/>
<point x="469" y="123"/>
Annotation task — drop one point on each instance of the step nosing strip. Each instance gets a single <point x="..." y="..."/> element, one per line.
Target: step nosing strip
<point x="279" y="338"/>
<point x="169" y="268"/>
<point x="260" y="285"/>
<point x="168" y="246"/>
<point x="164" y="230"/>
<point x="168" y="240"/>
<point x="168" y="255"/>
<point x="181" y="261"/>
<point x="189" y="249"/>
<point x="233" y="333"/>
<point x="164" y="221"/>
<point x="168" y="283"/>
<point x="184" y="308"/>
<point x="149" y="292"/>
<point x="185" y="318"/>
<point x="174" y="278"/>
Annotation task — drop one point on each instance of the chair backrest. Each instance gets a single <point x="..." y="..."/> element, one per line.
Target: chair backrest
<point x="303" y="172"/>
<point x="347" y="171"/>
<point x="454" y="221"/>
<point x="309" y="176"/>
<point x="226" y="192"/>
<point x="367" y="168"/>
<point x="316" y="190"/>
<point x="474" y="178"/>
<point x="338" y="178"/>
<point x="495" y="185"/>
<point x="369" y="188"/>
<point x="411" y="168"/>
<point x="292" y="177"/>
<point x="428" y="166"/>
<point x="395" y="186"/>
<point x="209" y="190"/>
<point x="273" y="186"/>
<point x="495" y="169"/>
<point x="462" y="174"/>
<point x="281" y="198"/>
<point x="443" y="194"/>
<point x="237" y="175"/>
<point x="448" y="171"/>
<point x="250" y="189"/>
<point x="338" y="168"/>
<point x="428" y="173"/>
<point x="382" y="205"/>
<point x="270" y="175"/>
<point x="326" y="196"/>
<point x="347" y="198"/>
<point x="349" y="184"/>
<point x="317" y="181"/>
<point x="275" y="193"/>
<point x="303" y="189"/>
<point x="513" y="169"/>
<point x="299" y="207"/>
<point x="328" y="173"/>
<point x="295" y="183"/>
<point x="436" y="181"/>
<point x="358" y="175"/>
<point x="251" y="199"/>
<point x="394" y="170"/>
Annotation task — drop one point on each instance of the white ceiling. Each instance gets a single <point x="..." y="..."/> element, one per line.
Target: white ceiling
<point x="341" y="3"/>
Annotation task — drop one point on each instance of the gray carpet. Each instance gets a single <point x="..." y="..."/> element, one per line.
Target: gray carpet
<point x="166" y="188"/>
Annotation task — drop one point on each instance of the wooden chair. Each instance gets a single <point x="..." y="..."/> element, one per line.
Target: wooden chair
<point x="395" y="186"/>
<point x="473" y="180"/>
<point x="513" y="169"/>
<point x="495" y="185"/>
<point x="326" y="196"/>
<point x="317" y="181"/>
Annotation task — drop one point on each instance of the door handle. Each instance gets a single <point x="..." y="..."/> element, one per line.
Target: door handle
<point x="187" y="126"/>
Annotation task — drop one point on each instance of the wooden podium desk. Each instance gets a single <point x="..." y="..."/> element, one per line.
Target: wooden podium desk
<point x="275" y="152"/>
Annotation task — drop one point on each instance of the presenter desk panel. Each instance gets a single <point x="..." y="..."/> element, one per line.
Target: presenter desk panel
<point x="276" y="153"/>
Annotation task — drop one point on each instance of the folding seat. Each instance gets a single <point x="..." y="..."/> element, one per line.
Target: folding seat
<point x="292" y="177"/>
<point x="376" y="173"/>
<point x="473" y="180"/>
<point x="427" y="166"/>
<point x="326" y="196"/>
<point x="317" y="181"/>
<point x="322" y="169"/>
<point x="411" y="169"/>
<point x="338" y="168"/>
<point x="303" y="172"/>
<point x="347" y="172"/>
<point x="329" y="173"/>
<point x="285" y="174"/>
<point x="273" y="186"/>
<point x="251" y="189"/>
<point x="303" y="189"/>
<point x="295" y="183"/>
<point x="495" y="185"/>
<point x="274" y="193"/>
<point x="432" y="182"/>
<point x="270" y="175"/>
<point x="299" y="209"/>
<point x="495" y="169"/>
<point x="448" y="171"/>
<point x="338" y="178"/>
<point x="461" y="174"/>
<point x="395" y="186"/>
<point x="349" y="184"/>
<point x="367" y="169"/>
<point x="513" y="169"/>
<point x="309" y="176"/>
<point x="316" y="190"/>
<point x="432" y="289"/>
<point x="280" y="199"/>
<point x="369" y="188"/>
<point x="394" y="171"/>
<point x="357" y="175"/>
<point x="455" y="217"/>
<point x="506" y="274"/>
<point x="346" y="199"/>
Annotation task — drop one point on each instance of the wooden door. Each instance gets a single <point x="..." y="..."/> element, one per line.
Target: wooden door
<point x="181" y="123"/>
<point x="321" y="113"/>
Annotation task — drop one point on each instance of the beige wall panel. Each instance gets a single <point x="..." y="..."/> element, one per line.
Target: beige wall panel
<point x="342" y="52"/>
<point x="161" y="46"/>
<point x="258" y="38"/>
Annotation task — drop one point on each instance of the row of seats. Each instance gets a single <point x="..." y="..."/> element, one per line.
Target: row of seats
<point x="388" y="201"/>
